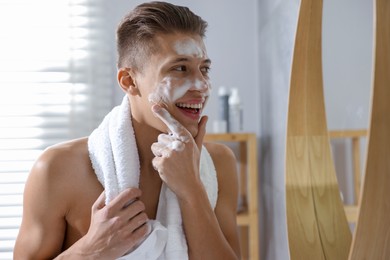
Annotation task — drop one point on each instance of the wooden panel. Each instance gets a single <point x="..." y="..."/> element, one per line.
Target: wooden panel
<point x="351" y="213"/>
<point x="356" y="168"/>
<point x="253" y="197"/>
<point x="303" y="234"/>
<point x="317" y="226"/>
<point x="348" y="133"/>
<point x="372" y="235"/>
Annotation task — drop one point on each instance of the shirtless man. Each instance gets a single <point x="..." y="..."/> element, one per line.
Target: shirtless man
<point x="65" y="215"/>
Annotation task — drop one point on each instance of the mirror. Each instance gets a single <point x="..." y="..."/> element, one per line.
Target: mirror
<point x="347" y="44"/>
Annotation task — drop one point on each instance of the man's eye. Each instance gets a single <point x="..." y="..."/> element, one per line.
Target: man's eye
<point x="205" y="70"/>
<point x="180" y="68"/>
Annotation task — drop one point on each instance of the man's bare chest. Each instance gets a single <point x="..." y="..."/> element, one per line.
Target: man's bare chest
<point x="78" y="217"/>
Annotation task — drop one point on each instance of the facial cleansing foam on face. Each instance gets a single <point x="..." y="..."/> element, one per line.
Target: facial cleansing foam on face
<point x="189" y="47"/>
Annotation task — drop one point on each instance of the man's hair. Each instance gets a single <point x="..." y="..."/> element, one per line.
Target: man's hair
<point x="136" y="32"/>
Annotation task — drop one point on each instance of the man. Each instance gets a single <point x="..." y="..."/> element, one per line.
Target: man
<point x="163" y="69"/>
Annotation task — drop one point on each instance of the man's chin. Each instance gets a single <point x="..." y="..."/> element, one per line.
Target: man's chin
<point x="193" y="131"/>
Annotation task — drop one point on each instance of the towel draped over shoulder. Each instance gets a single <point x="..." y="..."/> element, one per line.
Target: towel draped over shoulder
<point x="115" y="160"/>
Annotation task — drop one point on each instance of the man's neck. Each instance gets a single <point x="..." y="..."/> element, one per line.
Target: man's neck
<point x="145" y="136"/>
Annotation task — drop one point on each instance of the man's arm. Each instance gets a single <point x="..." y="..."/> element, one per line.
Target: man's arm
<point x="53" y="188"/>
<point x="226" y="210"/>
<point x="213" y="234"/>
<point x="42" y="231"/>
<point x="210" y="235"/>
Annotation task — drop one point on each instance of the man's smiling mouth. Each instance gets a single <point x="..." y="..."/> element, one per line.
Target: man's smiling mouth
<point x="191" y="108"/>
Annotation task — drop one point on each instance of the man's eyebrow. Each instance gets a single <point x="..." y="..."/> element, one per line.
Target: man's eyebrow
<point x="184" y="59"/>
<point x="177" y="60"/>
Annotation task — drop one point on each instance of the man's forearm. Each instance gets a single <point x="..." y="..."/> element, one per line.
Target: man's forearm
<point x="204" y="236"/>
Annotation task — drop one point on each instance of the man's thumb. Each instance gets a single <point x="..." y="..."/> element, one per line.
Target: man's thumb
<point x="201" y="132"/>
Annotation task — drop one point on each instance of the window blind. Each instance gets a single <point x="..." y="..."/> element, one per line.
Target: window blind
<point x="56" y="75"/>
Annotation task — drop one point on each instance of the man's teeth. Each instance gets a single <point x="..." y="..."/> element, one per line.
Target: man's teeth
<point x="193" y="106"/>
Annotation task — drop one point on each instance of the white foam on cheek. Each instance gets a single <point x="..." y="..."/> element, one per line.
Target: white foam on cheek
<point x="180" y="91"/>
<point x="161" y="93"/>
<point x="189" y="47"/>
<point x="166" y="93"/>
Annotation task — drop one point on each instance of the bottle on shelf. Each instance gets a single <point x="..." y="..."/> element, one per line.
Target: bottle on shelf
<point x="222" y="123"/>
<point x="235" y="112"/>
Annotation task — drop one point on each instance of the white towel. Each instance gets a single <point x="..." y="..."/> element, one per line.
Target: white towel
<point x="114" y="156"/>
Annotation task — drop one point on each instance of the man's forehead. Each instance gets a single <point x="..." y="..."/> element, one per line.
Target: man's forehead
<point x="165" y="54"/>
<point x="182" y="44"/>
<point x="189" y="47"/>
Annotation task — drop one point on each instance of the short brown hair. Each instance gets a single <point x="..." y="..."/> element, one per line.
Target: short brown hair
<point x="135" y="34"/>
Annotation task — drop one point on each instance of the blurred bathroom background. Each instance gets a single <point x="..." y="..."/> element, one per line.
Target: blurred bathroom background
<point x="58" y="80"/>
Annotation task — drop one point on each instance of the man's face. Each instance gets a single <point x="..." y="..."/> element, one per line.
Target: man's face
<point x="176" y="77"/>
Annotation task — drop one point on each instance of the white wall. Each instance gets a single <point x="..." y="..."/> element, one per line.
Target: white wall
<point x="347" y="58"/>
<point x="250" y="43"/>
<point x="277" y="29"/>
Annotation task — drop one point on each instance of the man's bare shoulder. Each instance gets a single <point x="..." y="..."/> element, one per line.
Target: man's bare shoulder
<point x="224" y="162"/>
<point x="70" y="154"/>
<point x="220" y="152"/>
<point x="58" y="195"/>
<point x="64" y="164"/>
<point x="72" y="148"/>
<point x="65" y="172"/>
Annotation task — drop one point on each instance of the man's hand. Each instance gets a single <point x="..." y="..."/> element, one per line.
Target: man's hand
<point x="117" y="227"/>
<point x="178" y="154"/>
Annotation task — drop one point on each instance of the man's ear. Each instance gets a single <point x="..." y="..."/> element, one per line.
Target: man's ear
<point x="126" y="79"/>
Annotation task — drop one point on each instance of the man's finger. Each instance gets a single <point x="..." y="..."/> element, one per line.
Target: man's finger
<point x="100" y="202"/>
<point x="177" y="129"/>
<point x="124" y="198"/>
<point x="164" y="150"/>
<point x="201" y="132"/>
<point x="165" y="138"/>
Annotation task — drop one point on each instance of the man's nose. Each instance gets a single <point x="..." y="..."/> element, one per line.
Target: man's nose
<point x="201" y="84"/>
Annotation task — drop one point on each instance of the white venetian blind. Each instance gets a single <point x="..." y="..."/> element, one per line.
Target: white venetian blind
<point x="56" y="66"/>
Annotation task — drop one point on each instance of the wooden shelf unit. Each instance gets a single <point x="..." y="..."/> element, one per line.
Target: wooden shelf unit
<point x="351" y="211"/>
<point x="248" y="214"/>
